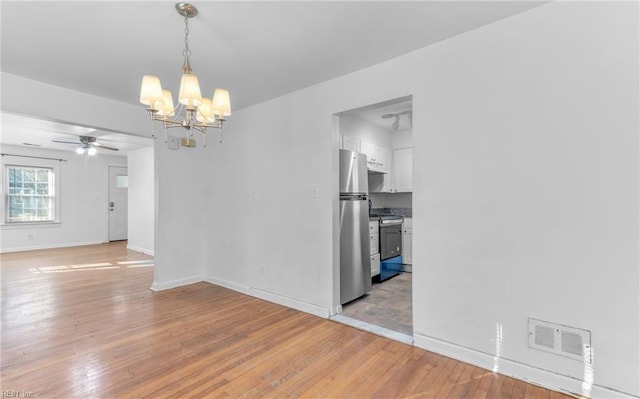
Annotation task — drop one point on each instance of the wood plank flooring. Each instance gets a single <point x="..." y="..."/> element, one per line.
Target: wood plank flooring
<point x="82" y="323"/>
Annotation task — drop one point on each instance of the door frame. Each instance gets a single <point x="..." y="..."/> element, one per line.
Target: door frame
<point x="336" y="307"/>
<point x="106" y="192"/>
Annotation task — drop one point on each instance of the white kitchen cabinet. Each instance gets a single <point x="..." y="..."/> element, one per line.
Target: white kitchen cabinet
<point x="374" y="252"/>
<point x="379" y="176"/>
<point x="370" y="151"/>
<point x="407" y="243"/>
<point x="374" y="243"/>
<point x="374" y="237"/>
<point x="402" y="171"/>
<point x="385" y="158"/>
<point x="378" y="158"/>
<point x="350" y="143"/>
<point x="375" y="265"/>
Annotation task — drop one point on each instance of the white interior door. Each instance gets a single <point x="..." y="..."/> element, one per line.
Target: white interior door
<point x="118" y="189"/>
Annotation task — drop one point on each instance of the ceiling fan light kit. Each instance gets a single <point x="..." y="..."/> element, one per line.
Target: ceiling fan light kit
<point x="86" y="151"/>
<point x="87" y="146"/>
<point x="193" y="112"/>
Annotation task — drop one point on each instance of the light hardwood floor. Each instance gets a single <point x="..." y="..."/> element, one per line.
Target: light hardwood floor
<point x="82" y="323"/>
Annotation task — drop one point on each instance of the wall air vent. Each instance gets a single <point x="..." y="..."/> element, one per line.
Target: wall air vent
<point x="561" y="340"/>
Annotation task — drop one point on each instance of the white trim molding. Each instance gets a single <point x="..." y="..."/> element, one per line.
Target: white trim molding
<point x="167" y="285"/>
<point x="138" y="249"/>
<point x="49" y="246"/>
<point x="520" y="371"/>
<point x="272" y="297"/>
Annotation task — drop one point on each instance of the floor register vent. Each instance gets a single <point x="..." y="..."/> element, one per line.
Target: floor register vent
<point x="562" y="340"/>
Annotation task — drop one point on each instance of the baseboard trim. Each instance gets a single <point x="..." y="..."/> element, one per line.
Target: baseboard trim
<point x="50" y="246"/>
<point x="271" y="297"/>
<point x="167" y="285"/>
<point x="227" y="284"/>
<point x="138" y="249"/>
<point x="520" y="371"/>
<point x="291" y="303"/>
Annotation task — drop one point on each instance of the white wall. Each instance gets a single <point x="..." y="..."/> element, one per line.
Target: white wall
<point x="525" y="193"/>
<point x="83" y="202"/>
<point x="268" y="233"/>
<point x="352" y="126"/>
<point x="181" y="207"/>
<point x="402" y="139"/>
<point x="141" y="201"/>
<point x="526" y="189"/>
<point x="72" y="106"/>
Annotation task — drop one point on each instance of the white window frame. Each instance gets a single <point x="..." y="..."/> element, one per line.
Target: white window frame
<point x="4" y="184"/>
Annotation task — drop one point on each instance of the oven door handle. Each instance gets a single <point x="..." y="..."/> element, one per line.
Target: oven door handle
<point x="390" y="222"/>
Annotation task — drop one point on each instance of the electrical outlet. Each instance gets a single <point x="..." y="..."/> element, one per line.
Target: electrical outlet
<point x="173" y="143"/>
<point x="314" y="191"/>
<point x="30" y="236"/>
<point x="262" y="267"/>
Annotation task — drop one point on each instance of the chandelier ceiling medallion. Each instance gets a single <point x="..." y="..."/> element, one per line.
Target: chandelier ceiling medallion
<point x="193" y="112"/>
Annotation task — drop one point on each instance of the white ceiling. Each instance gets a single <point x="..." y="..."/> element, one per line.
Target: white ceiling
<point x="37" y="133"/>
<point x="373" y="113"/>
<point x="258" y="50"/>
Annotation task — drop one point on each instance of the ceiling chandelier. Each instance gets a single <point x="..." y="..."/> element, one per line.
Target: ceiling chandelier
<point x="193" y="112"/>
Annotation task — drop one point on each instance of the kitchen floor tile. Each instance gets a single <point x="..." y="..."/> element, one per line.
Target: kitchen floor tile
<point x="387" y="305"/>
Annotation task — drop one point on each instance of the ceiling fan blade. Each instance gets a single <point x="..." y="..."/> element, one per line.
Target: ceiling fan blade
<point x="66" y="142"/>
<point x="105" y="147"/>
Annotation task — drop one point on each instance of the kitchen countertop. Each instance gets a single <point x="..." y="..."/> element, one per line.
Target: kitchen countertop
<point x="404" y="212"/>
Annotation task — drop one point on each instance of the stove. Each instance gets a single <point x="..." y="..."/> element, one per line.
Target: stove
<point x="390" y="245"/>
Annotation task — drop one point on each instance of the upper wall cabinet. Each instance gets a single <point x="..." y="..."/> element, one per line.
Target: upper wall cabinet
<point x="390" y="171"/>
<point x="378" y="158"/>
<point x="400" y="180"/>
<point x="402" y="171"/>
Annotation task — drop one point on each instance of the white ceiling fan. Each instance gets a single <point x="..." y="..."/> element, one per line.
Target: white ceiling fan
<point x="87" y="145"/>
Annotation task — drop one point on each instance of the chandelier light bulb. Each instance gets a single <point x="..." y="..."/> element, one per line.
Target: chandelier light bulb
<point x="80" y="150"/>
<point x="205" y="112"/>
<point x="221" y="103"/>
<point x="91" y="151"/>
<point x="166" y="109"/>
<point x="190" y="91"/>
<point x="151" y="91"/>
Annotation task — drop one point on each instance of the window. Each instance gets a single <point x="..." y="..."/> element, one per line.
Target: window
<point x="122" y="181"/>
<point x="29" y="194"/>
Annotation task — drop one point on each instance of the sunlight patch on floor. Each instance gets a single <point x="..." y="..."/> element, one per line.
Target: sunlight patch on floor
<point x="89" y="266"/>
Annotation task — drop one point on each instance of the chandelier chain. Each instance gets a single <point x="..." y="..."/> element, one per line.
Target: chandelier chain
<point x="186" y="52"/>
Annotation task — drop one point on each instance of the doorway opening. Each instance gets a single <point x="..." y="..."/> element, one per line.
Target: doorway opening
<point x="118" y="198"/>
<point x="384" y="133"/>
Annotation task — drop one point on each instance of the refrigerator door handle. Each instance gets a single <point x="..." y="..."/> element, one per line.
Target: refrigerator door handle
<point x="353" y="197"/>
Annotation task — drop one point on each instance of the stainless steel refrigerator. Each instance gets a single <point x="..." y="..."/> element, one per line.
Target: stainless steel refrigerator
<point x="355" y="264"/>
